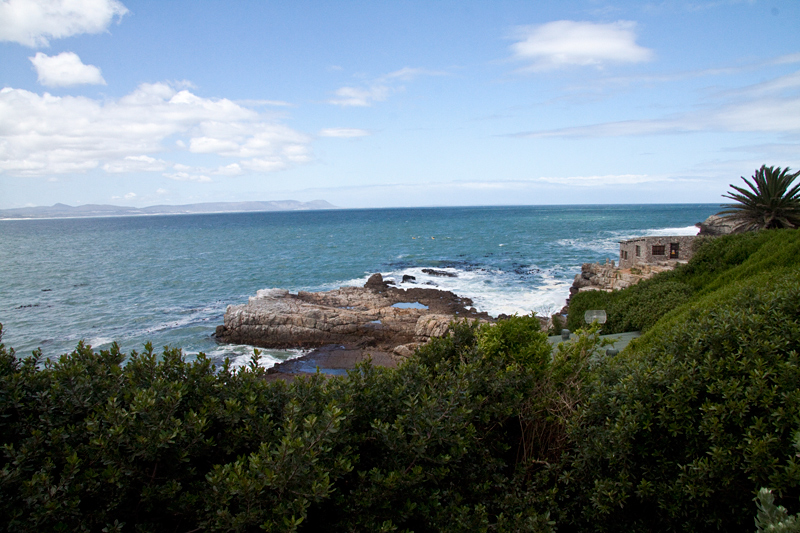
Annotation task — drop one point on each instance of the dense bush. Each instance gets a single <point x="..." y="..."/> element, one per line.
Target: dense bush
<point x="679" y="435"/>
<point x="637" y="308"/>
<point x="95" y="441"/>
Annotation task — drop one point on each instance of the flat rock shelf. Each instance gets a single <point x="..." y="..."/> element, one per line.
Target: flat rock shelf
<point x="346" y="325"/>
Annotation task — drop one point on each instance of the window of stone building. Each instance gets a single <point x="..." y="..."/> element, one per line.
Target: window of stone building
<point x="638" y="251"/>
<point x="674" y="250"/>
<point x="659" y="249"/>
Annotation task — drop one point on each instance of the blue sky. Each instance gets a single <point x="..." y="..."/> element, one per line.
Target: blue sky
<point x="387" y="104"/>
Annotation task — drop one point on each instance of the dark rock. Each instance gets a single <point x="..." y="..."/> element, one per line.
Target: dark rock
<point x="440" y="273"/>
<point x="407" y="278"/>
<point x="376" y="283"/>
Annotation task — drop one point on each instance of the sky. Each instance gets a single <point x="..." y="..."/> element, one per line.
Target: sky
<point x="394" y="103"/>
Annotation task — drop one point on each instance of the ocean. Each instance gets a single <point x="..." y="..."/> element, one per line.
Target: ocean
<point x="168" y="279"/>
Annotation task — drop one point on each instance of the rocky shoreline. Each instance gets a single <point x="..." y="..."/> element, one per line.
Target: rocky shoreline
<point x="383" y="322"/>
<point x="344" y="326"/>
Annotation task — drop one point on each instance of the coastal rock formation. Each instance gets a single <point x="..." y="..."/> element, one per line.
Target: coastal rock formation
<point x="716" y="225"/>
<point x="439" y="273"/>
<point x="608" y="277"/>
<point x="377" y="316"/>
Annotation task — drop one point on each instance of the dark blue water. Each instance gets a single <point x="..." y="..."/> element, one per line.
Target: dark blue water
<point x="168" y="279"/>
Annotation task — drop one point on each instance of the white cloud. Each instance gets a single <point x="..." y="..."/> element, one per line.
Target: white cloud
<point x="186" y="176"/>
<point x="409" y="73"/>
<point x="766" y="115"/>
<point x="355" y="97"/>
<point x="64" y="70"/>
<point x="264" y="165"/>
<point x="136" y="163"/>
<point x="346" y="133"/>
<point x="34" y="22"/>
<point x="127" y="196"/>
<point x="46" y="134"/>
<point x="782" y="84"/>
<point x="566" y="43"/>
<point x="380" y="88"/>
<point x="234" y="169"/>
<point x="240" y="139"/>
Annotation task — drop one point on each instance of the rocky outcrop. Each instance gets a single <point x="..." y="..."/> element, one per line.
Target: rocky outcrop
<point x="439" y="273"/>
<point x="716" y="225"/>
<point x="377" y="315"/>
<point x="608" y="277"/>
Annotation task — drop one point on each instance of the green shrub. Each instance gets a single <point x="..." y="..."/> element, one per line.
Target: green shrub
<point x="517" y="339"/>
<point x="679" y="434"/>
<point x="97" y="441"/>
<point x="772" y="518"/>
<point x="558" y="323"/>
<point x="437" y="439"/>
<point x="636" y="308"/>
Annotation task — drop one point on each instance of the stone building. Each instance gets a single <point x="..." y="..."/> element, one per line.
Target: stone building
<point x="655" y="250"/>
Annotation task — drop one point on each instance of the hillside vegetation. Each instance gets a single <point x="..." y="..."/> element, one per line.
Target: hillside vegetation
<point x="716" y="264"/>
<point x="485" y="430"/>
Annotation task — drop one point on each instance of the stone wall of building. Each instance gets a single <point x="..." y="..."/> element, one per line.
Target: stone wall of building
<point x="655" y="250"/>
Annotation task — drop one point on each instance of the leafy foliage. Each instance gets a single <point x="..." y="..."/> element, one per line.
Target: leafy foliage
<point x="679" y="435"/>
<point x="99" y="441"/>
<point x="637" y="308"/>
<point x="773" y="518"/>
<point x="771" y="201"/>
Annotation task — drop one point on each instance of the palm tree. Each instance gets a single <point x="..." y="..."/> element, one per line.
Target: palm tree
<point x="770" y="203"/>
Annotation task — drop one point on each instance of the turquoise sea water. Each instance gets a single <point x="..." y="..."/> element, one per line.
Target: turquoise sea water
<point x="168" y="279"/>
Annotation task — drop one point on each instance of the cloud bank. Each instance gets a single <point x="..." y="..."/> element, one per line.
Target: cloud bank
<point x="46" y="134"/>
<point x="34" y="22"/>
<point x="567" y="43"/>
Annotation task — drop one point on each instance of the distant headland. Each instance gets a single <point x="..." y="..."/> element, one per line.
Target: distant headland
<point x="99" y="210"/>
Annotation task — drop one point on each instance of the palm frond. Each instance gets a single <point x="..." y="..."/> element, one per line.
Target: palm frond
<point x="770" y="202"/>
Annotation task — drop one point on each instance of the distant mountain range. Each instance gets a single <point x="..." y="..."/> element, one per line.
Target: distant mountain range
<point x="97" y="210"/>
